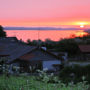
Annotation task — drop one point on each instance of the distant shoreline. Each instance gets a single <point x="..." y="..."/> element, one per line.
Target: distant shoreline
<point x="40" y="28"/>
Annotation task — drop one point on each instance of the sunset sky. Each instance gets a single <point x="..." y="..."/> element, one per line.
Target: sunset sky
<point x="72" y="13"/>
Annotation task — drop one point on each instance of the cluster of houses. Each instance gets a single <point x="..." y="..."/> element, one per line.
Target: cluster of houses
<point x="28" y="57"/>
<point x="25" y="56"/>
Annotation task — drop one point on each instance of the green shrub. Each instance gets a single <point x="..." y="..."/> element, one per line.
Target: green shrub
<point x="29" y="83"/>
<point x="78" y="71"/>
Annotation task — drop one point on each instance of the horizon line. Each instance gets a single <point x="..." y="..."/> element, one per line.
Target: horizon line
<point x="44" y="28"/>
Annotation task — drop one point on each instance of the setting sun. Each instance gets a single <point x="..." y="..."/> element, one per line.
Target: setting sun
<point x="82" y="26"/>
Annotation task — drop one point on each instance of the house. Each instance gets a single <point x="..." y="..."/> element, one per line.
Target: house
<point x="38" y="58"/>
<point x="84" y="52"/>
<point x="62" y="55"/>
<point x="12" y="48"/>
<point x="28" y="57"/>
<point x="43" y="58"/>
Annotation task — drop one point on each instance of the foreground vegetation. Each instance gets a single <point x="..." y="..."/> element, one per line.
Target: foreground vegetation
<point x="75" y="72"/>
<point x="43" y="81"/>
<point x="31" y="83"/>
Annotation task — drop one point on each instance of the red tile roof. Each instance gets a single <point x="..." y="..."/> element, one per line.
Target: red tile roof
<point x="84" y="48"/>
<point x="26" y="57"/>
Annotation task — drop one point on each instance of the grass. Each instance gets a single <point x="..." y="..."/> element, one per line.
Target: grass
<point x="30" y="83"/>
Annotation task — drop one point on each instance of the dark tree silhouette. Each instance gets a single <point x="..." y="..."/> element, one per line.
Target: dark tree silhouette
<point x="2" y="32"/>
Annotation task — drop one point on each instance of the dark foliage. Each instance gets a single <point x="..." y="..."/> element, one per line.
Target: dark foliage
<point x="2" y="32"/>
<point x="77" y="71"/>
<point x="68" y="45"/>
<point x="65" y="45"/>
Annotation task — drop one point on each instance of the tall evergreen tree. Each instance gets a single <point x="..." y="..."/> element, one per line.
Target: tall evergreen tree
<point x="2" y="32"/>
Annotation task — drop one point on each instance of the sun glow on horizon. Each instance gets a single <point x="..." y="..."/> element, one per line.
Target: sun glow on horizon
<point x="82" y="26"/>
<point x="82" y="23"/>
<point x="42" y="23"/>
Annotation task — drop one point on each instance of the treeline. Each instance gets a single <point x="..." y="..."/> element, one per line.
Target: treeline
<point x="64" y="45"/>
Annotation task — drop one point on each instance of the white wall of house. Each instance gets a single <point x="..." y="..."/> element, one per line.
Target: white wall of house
<point x="49" y="64"/>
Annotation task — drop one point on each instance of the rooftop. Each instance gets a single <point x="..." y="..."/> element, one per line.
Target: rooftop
<point x="13" y="49"/>
<point x="84" y="48"/>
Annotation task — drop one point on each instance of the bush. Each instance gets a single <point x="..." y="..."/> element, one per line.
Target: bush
<point x="77" y="71"/>
<point x="44" y="77"/>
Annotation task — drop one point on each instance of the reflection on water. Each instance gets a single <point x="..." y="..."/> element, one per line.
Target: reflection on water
<point x="41" y="34"/>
